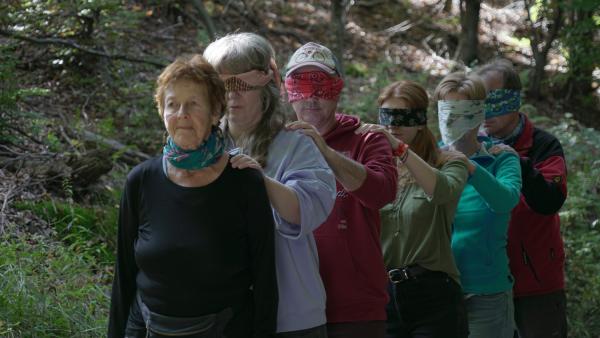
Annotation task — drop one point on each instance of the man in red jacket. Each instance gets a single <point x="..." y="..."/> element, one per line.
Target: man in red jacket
<point x="351" y="262"/>
<point x="535" y="246"/>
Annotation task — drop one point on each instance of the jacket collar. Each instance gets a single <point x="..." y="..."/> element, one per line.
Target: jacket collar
<point x="525" y="140"/>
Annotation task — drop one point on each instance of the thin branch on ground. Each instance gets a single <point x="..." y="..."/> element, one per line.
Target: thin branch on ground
<point x="177" y="25"/>
<point x="73" y="44"/>
<point x="22" y="132"/>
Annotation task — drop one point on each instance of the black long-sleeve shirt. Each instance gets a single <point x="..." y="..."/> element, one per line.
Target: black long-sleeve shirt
<point x="195" y="251"/>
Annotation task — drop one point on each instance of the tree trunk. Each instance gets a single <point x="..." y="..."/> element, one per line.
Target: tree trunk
<point x="448" y="6"/>
<point x="541" y="41"/>
<point x="535" y="80"/>
<point x="581" y="60"/>
<point x="469" y="34"/>
<point x="206" y="19"/>
<point x="338" y="20"/>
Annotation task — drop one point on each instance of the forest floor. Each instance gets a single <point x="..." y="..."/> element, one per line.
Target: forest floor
<point x="74" y="123"/>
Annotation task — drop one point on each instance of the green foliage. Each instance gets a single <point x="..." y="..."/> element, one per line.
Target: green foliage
<point x="115" y="98"/>
<point x="67" y="19"/>
<point x="581" y="49"/>
<point x="581" y="225"/>
<point x="370" y="83"/>
<point x="202" y="37"/>
<point x="88" y="231"/>
<point x="357" y="69"/>
<point x="106" y="126"/>
<point x="10" y="96"/>
<point x="53" y="142"/>
<point x="136" y="118"/>
<point x="582" y="155"/>
<point x="48" y="290"/>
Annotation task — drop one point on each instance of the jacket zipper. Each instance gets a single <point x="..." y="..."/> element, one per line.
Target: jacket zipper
<point x="528" y="263"/>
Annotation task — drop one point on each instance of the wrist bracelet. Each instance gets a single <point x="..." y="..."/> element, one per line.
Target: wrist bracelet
<point x="403" y="157"/>
<point x="401" y="149"/>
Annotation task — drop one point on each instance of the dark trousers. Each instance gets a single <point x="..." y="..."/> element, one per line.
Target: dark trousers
<point x="430" y="305"/>
<point x="315" y="332"/>
<point x="370" y="329"/>
<point x="542" y="316"/>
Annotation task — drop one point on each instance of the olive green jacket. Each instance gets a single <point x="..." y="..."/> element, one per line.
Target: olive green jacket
<point x="417" y="229"/>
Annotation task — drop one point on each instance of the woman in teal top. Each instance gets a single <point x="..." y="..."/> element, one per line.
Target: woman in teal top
<point x="483" y="213"/>
<point x="426" y="297"/>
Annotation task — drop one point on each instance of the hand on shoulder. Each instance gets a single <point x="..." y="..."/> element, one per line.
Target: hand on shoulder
<point x="309" y="130"/>
<point x="375" y="128"/>
<point x="242" y="161"/>
<point x="453" y="155"/>
<point x="500" y="148"/>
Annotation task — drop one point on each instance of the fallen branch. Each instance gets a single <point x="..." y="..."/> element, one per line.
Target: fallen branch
<point x="399" y="28"/>
<point x="23" y="133"/>
<point x="369" y="4"/>
<point x="73" y="44"/>
<point x="129" y="156"/>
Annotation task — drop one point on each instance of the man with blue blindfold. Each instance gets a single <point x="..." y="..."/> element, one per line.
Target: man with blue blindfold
<point x="535" y="246"/>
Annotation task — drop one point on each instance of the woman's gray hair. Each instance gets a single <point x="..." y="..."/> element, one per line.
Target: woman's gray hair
<point x="510" y="77"/>
<point x="239" y="53"/>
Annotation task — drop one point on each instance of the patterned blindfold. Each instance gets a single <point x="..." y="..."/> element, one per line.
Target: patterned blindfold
<point x="501" y="102"/>
<point x="243" y="82"/>
<point x="301" y="86"/>
<point x="235" y="84"/>
<point x="457" y="117"/>
<point x="410" y="117"/>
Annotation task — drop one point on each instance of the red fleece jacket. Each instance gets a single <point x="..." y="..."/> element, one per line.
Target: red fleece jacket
<point x="535" y="246"/>
<point x="351" y="262"/>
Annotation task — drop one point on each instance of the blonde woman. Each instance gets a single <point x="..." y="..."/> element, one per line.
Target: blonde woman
<point x="426" y="297"/>
<point x="483" y="213"/>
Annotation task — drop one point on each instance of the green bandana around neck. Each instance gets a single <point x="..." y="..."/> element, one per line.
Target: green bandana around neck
<point x="205" y="155"/>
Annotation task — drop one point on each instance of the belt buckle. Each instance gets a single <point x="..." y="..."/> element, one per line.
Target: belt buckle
<point x="403" y="275"/>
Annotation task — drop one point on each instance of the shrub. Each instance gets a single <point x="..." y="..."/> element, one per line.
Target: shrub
<point x="47" y="290"/>
<point x="88" y="231"/>
<point x="580" y="224"/>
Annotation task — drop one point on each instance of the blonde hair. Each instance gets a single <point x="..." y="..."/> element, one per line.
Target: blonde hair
<point x="469" y="85"/>
<point x="198" y="70"/>
<point x="424" y="143"/>
<point x="239" y="53"/>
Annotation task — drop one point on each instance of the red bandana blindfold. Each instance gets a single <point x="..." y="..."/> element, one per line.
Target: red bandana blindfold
<point x="301" y="86"/>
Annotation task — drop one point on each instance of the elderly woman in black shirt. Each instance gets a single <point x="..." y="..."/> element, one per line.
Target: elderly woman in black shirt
<point x="195" y="251"/>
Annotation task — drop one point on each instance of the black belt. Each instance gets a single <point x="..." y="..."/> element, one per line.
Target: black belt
<point x="408" y="272"/>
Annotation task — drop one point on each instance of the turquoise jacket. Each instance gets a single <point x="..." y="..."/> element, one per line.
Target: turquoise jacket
<point x="481" y="222"/>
